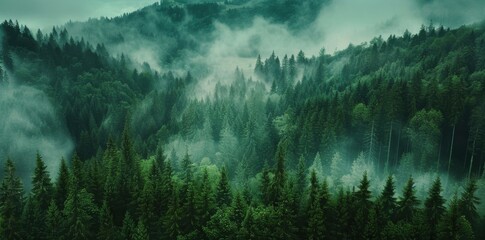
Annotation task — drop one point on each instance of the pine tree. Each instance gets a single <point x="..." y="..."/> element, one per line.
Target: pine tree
<point x="408" y="202"/>
<point x="280" y="174"/>
<point x="468" y="202"/>
<point x="314" y="210"/>
<point x="387" y="199"/>
<point x="363" y="206"/>
<point x="434" y="208"/>
<point x="107" y="230"/>
<point x="173" y="218"/>
<point x="140" y="232"/>
<point x="62" y="185"/>
<point x="204" y="201"/>
<point x="454" y="225"/>
<point x="41" y="197"/>
<point x="79" y="212"/>
<point x="128" y="229"/>
<point x="265" y="186"/>
<point x="55" y="228"/>
<point x="10" y="203"/>
<point x="223" y="192"/>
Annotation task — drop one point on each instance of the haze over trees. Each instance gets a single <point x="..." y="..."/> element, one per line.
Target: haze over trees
<point x="381" y="140"/>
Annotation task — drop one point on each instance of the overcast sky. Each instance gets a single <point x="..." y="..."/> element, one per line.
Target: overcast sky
<point x="47" y="13"/>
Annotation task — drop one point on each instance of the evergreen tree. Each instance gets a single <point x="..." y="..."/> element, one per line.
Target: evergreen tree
<point x="11" y="199"/>
<point x="223" y="192"/>
<point x="316" y="225"/>
<point x="280" y="175"/>
<point x="387" y="199"/>
<point x="173" y="217"/>
<point x="468" y="202"/>
<point x="434" y="208"/>
<point x="41" y="198"/>
<point x="204" y="201"/>
<point x="408" y="202"/>
<point x="454" y="225"/>
<point x="140" y="232"/>
<point x="62" y="185"/>
<point x="363" y="207"/>
<point x="265" y="186"/>
<point x="107" y="230"/>
<point x="128" y="229"/>
<point x="55" y="228"/>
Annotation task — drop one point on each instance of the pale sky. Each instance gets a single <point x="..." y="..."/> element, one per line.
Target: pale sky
<point x="44" y="14"/>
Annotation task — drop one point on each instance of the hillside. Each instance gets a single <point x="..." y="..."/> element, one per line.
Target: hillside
<point x="384" y="139"/>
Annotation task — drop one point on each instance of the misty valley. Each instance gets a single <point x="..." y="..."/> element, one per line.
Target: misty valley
<point x="245" y="119"/>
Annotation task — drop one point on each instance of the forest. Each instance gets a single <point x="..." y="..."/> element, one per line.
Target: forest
<point x="380" y="140"/>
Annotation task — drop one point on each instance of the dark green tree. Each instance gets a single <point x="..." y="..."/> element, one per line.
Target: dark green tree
<point x="55" y="226"/>
<point x="62" y="185"/>
<point x="223" y="191"/>
<point x="454" y="225"/>
<point x="11" y="200"/>
<point x="408" y="202"/>
<point x="468" y="202"/>
<point x="388" y="200"/>
<point x="434" y="208"/>
<point x="41" y="198"/>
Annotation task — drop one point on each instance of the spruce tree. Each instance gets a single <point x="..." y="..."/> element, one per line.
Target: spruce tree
<point x="223" y="191"/>
<point x="388" y="200"/>
<point x="408" y="202"/>
<point x="468" y="202"/>
<point x="11" y="200"/>
<point x="140" y="232"/>
<point x="41" y="197"/>
<point x="62" y="185"/>
<point x="434" y="208"/>
<point x="55" y="226"/>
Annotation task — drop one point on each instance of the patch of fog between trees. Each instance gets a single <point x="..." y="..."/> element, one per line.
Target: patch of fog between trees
<point x="30" y="124"/>
<point x="339" y="170"/>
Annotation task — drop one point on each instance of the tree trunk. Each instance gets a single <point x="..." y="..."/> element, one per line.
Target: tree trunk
<point x="451" y="150"/>
<point x="397" y="148"/>
<point x="439" y="156"/>
<point x="473" y="154"/>
<point x="371" y="142"/>
<point x="388" y="150"/>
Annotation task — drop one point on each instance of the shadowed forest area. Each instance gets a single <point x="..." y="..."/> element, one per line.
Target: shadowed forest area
<point x="380" y="140"/>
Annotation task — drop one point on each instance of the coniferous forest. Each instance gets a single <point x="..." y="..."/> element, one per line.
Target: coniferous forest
<point x="379" y="140"/>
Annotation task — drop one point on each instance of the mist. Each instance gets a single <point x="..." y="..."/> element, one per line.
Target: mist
<point x="48" y="13"/>
<point x="31" y="125"/>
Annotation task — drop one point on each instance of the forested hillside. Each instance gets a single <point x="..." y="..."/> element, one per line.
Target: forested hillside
<point x="382" y="140"/>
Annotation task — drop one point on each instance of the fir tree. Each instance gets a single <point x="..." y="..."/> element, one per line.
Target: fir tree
<point x="434" y="208"/>
<point x="408" y="202"/>
<point x="62" y="185"/>
<point x="223" y="192"/>
<point x="468" y="202"/>
<point x="41" y="197"/>
<point x="10" y="203"/>
<point x="388" y="200"/>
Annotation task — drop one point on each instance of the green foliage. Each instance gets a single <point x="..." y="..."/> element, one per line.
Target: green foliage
<point x="11" y="199"/>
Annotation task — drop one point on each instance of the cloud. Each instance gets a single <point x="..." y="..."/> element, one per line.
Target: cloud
<point x="47" y="13"/>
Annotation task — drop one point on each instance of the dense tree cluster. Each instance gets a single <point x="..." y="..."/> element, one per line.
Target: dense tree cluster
<point x="119" y="196"/>
<point x="264" y="156"/>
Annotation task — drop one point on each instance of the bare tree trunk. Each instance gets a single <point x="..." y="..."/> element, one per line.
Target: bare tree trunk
<point x="388" y="150"/>
<point x="451" y="150"/>
<point x="466" y="152"/>
<point x="439" y="156"/>
<point x="371" y="143"/>
<point x="473" y="154"/>
<point x="397" y="148"/>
